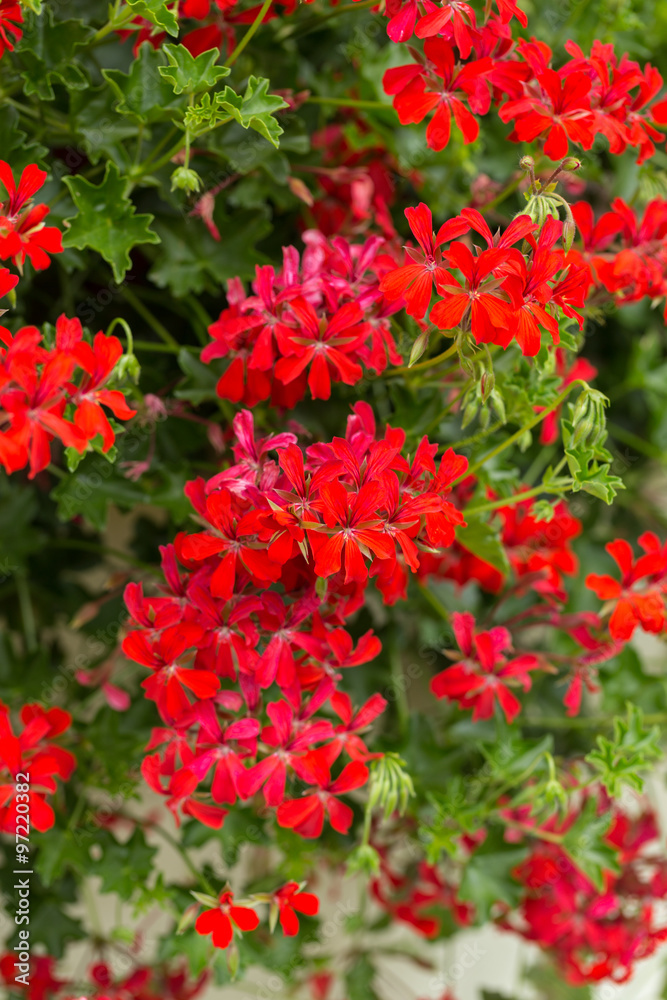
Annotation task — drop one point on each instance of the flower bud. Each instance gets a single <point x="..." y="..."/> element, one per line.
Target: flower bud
<point x="486" y="385"/>
<point x="571" y="163"/>
<point x="185" y="180"/>
<point x="526" y="163"/>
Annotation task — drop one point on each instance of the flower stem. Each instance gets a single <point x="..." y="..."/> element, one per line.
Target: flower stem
<point x="522" y="430"/>
<point x="254" y="27"/>
<point x="349" y="102"/>
<point x="27" y="612"/>
<point x="148" y="316"/>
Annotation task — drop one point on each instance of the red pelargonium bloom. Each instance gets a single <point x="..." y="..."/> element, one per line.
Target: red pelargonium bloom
<point x="355" y="530"/>
<point x="22" y="230"/>
<point x="441" y="84"/>
<point x="639" y="595"/>
<point x="170" y="676"/>
<point x="459" y="15"/>
<point x="225" y="919"/>
<point x="290" y="900"/>
<point x="98" y="363"/>
<point x="32" y="752"/>
<point x="414" y="282"/>
<point x="482" y="677"/>
<point x="11" y="19"/>
<point x="322" y="344"/>
<point x="306" y="815"/>
<point x="557" y="108"/>
<point x="478" y="300"/>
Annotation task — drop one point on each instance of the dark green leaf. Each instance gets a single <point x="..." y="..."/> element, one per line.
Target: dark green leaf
<point x="483" y="541"/>
<point x="107" y="220"/>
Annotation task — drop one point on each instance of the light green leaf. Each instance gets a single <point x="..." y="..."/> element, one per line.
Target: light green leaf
<point x="159" y="12"/>
<point x="189" y="73"/>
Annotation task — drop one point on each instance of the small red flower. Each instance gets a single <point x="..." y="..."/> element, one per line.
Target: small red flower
<point x="225" y="919"/>
<point x="290" y="900"/>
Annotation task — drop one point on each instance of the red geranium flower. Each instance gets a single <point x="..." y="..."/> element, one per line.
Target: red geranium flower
<point x="225" y="919"/>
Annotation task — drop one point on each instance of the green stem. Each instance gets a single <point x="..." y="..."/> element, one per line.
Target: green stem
<point x="27" y="612"/>
<point x="166" y="836"/>
<point x="254" y="27"/>
<point x="119" y="321"/>
<point x="148" y="316"/>
<point x="349" y="102"/>
<point x="203" y="317"/>
<point x="424" y="364"/>
<point x="522" y="430"/>
<point x="509" y="501"/>
<point x="437" y="606"/>
<point x="479" y="435"/>
<point x="112" y="25"/>
<point x="634" y="441"/>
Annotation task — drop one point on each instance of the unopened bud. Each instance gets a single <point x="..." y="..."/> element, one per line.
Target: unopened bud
<point x="418" y="348"/>
<point x="185" y="180"/>
<point x="486" y="385"/>
<point x="571" y="163"/>
<point x="569" y="232"/>
<point x="526" y="163"/>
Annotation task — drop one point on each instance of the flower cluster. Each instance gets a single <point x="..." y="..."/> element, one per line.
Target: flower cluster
<point x="319" y="320"/>
<point x="596" y="934"/>
<point x="625" y="257"/>
<point x="467" y="66"/>
<point x="144" y="982"/>
<point x="30" y="764"/>
<point x="283" y="560"/>
<point x="639" y="597"/>
<point x="502" y="294"/>
<point x="56" y="391"/>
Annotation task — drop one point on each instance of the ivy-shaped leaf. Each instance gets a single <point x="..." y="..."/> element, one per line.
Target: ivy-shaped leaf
<point x="106" y="220"/>
<point x="189" y="73"/>
<point x="254" y="110"/>
<point x="47" y="52"/>
<point x="122" y="867"/>
<point x="633" y="748"/>
<point x="159" y="12"/>
<point x="586" y="846"/>
<point x="484" y="542"/>
<point x="487" y="877"/>
<point x="142" y="93"/>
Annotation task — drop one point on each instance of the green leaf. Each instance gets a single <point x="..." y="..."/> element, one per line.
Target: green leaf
<point x="633" y="748"/>
<point x="254" y="110"/>
<point x="47" y="52"/>
<point x="122" y="866"/>
<point x="585" y="844"/>
<point x="483" y="541"/>
<point x="50" y="926"/>
<point x="191" y="264"/>
<point x="359" y="980"/>
<point x="57" y="851"/>
<point x="158" y="12"/>
<point x="142" y="93"/>
<point x="106" y="220"/>
<point x="487" y="877"/>
<point x="189" y="73"/>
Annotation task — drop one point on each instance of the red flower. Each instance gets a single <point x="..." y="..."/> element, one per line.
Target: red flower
<point x="22" y="230"/>
<point x="290" y="899"/>
<point x="225" y="919"/>
<point x="98" y="362"/>
<point x="306" y="815"/>
<point x="11" y="17"/>
<point x="634" y="606"/>
<point x="324" y="345"/>
<point x="477" y="301"/>
<point x="555" y="107"/>
<point x="482" y="676"/>
<point x="414" y="282"/>
<point x="354" y="526"/>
